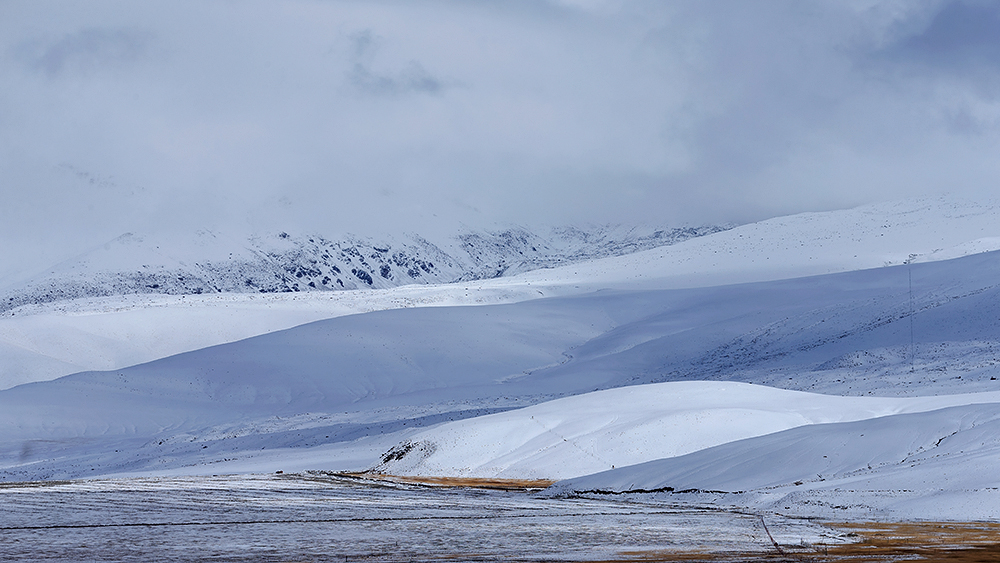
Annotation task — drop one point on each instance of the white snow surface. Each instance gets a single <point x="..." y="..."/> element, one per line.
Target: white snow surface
<point x="599" y="431"/>
<point x="939" y="464"/>
<point x="658" y="363"/>
<point x="42" y="342"/>
<point x="806" y="244"/>
<point x="39" y="343"/>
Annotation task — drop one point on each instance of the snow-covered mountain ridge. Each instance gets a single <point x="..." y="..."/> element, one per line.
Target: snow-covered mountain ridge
<point x="806" y="244"/>
<point x="210" y="262"/>
<point x="47" y="340"/>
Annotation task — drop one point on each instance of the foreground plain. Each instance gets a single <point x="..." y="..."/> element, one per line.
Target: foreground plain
<point x="324" y="517"/>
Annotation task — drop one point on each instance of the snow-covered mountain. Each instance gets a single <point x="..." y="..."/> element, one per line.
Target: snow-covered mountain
<point x="209" y="262"/>
<point x="48" y="340"/>
<point x="912" y="316"/>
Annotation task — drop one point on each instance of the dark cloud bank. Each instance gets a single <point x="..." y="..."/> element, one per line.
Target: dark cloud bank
<point x="342" y="116"/>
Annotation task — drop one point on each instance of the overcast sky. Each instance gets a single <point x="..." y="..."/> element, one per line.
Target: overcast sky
<point x="336" y="116"/>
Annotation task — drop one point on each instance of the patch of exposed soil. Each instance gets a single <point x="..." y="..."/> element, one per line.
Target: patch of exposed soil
<point x="455" y="482"/>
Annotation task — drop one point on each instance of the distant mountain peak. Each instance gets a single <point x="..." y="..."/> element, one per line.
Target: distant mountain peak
<point x="210" y="262"/>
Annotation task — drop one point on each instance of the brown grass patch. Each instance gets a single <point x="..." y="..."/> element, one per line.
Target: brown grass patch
<point x="956" y="542"/>
<point x="667" y="555"/>
<point x="456" y="482"/>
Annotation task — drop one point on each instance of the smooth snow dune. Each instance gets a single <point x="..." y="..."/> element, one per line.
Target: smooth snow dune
<point x="330" y="364"/>
<point x="618" y="427"/>
<point x="936" y="464"/>
<point x="40" y="343"/>
<point x="47" y="341"/>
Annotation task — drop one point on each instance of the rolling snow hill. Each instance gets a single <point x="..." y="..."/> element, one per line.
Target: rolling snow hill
<point x="599" y="431"/>
<point x="139" y="298"/>
<point x="328" y="383"/>
<point x="939" y="464"/>
<point x="48" y="340"/>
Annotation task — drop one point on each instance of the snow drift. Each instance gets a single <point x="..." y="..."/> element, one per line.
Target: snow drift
<point x="599" y="431"/>
<point x="937" y="464"/>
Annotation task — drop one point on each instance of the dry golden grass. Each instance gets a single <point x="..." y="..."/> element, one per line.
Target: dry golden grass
<point x="666" y="555"/>
<point x="956" y="542"/>
<point x="456" y="482"/>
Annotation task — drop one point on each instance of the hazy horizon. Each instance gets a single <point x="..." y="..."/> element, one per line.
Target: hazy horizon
<point x="344" y="116"/>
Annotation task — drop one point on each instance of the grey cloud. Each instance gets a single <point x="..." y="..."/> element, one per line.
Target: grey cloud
<point x="365" y="45"/>
<point x="952" y="54"/>
<point x="961" y="36"/>
<point x="259" y="114"/>
<point x="84" y="51"/>
<point x="412" y="78"/>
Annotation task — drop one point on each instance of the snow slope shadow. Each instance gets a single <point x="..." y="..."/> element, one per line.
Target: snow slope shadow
<point x="427" y="365"/>
<point x="931" y="465"/>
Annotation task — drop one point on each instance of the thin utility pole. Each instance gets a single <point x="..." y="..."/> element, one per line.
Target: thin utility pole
<point x="909" y="276"/>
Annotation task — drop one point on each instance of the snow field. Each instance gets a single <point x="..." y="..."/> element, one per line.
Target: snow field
<point x="599" y="431"/>
<point x="939" y="464"/>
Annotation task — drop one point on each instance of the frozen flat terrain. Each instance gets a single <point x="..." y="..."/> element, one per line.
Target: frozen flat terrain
<point x="316" y="517"/>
